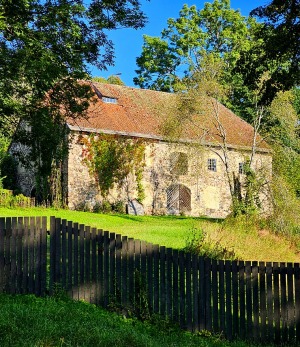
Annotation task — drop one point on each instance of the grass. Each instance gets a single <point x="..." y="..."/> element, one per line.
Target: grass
<point x="28" y="321"/>
<point x="249" y="242"/>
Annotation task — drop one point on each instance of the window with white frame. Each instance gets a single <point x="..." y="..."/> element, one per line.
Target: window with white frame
<point x="212" y="164"/>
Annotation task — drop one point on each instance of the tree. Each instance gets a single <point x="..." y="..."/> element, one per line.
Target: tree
<point x="279" y="52"/>
<point x="46" y="46"/>
<point x="198" y="112"/>
<point x="113" y="79"/>
<point x="216" y="29"/>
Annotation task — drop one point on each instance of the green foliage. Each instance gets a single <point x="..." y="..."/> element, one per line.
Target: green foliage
<point x="7" y="199"/>
<point x="246" y="199"/>
<point x="46" y="47"/>
<point x="198" y="242"/>
<point x="168" y="61"/>
<point x="113" y="79"/>
<point x="280" y="34"/>
<point x="113" y="159"/>
<point x="8" y="169"/>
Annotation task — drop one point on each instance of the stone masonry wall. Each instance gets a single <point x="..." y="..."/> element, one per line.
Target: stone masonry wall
<point x="208" y="190"/>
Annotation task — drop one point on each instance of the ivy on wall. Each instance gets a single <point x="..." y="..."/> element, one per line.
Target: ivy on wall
<point x="112" y="158"/>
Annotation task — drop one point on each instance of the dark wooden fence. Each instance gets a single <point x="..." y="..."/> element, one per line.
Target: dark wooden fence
<point x="248" y="300"/>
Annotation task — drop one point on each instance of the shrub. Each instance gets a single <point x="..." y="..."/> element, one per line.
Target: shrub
<point x="199" y="243"/>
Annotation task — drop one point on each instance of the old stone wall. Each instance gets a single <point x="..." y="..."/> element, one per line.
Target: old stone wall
<point x="199" y="188"/>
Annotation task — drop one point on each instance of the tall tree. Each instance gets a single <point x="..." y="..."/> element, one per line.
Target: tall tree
<point x="46" y="46"/>
<point x="280" y="49"/>
<point x="166" y="60"/>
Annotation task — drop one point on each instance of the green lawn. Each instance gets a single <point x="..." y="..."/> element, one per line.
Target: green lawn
<point x="28" y="321"/>
<point x="164" y="230"/>
<point x="248" y="242"/>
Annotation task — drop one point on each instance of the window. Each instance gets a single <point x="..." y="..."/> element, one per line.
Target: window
<point x="109" y="100"/>
<point x="212" y="164"/>
<point x="241" y="168"/>
<point x="178" y="163"/>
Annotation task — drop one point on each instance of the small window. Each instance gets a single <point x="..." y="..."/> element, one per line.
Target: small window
<point x="212" y="164"/>
<point x="109" y="100"/>
<point x="179" y="163"/>
<point x="241" y="168"/>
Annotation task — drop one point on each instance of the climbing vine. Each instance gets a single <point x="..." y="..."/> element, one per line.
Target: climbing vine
<point x="111" y="159"/>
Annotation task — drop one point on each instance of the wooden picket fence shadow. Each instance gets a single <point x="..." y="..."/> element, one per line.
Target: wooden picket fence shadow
<point x="255" y="301"/>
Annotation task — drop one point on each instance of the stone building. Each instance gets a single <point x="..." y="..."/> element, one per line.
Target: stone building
<point x="182" y="174"/>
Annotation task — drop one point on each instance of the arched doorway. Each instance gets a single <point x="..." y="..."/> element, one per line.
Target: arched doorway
<point x="178" y="199"/>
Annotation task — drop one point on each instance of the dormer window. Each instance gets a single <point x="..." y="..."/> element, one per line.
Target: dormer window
<point x="109" y="100"/>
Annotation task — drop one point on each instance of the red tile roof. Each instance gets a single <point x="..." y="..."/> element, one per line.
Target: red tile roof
<point x="143" y="112"/>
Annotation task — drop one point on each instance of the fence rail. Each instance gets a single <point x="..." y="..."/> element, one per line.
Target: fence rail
<point x="241" y="299"/>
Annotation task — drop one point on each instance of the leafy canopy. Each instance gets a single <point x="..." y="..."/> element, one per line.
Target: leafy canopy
<point x="46" y="46"/>
<point x="216" y="29"/>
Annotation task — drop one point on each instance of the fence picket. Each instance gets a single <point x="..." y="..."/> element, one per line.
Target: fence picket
<point x="75" y="291"/>
<point x="221" y="295"/>
<point x="94" y="267"/>
<point x="169" y="275"/>
<point x="32" y="254"/>
<point x="149" y="269"/>
<point x="156" y="279"/>
<point x="228" y="300"/>
<point x="106" y="268"/>
<point x="249" y="302"/>
<point x="64" y="253"/>
<point x="100" y="274"/>
<point x="87" y="286"/>
<point x="297" y="300"/>
<point x="291" y="300"/>
<point x="37" y="260"/>
<point x="20" y="234"/>
<point x="195" y="291"/>
<point x="13" y="255"/>
<point x="182" y="296"/>
<point x="162" y="281"/>
<point x="262" y="301"/>
<point x="112" y="265"/>
<point x="175" y="287"/>
<point x="124" y="272"/>
<point x="235" y="300"/>
<point x="43" y="267"/>
<point x="242" y="300"/>
<point x="188" y="281"/>
<point x="215" y="295"/>
<point x="270" y="311"/>
<point x="255" y="301"/>
<point x="2" y="258"/>
<point x="70" y="256"/>
<point x="25" y="255"/>
<point x="276" y="302"/>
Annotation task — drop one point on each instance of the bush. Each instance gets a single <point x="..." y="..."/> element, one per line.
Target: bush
<point x="199" y="243"/>
<point x="119" y="207"/>
<point x="7" y="199"/>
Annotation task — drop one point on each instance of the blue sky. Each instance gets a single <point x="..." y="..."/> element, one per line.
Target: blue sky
<point x="128" y="42"/>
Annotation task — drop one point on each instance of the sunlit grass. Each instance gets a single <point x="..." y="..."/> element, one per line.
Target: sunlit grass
<point x="248" y="241"/>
